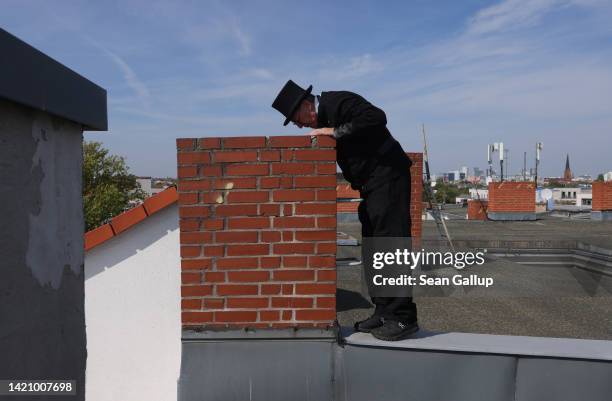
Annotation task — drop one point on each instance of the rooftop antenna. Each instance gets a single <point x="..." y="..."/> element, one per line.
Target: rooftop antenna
<point x="524" y="166"/>
<point x="539" y="147"/>
<point x="501" y="160"/>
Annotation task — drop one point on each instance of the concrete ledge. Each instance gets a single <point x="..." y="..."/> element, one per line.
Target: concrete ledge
<point x="601" y="215"/>
<point x="511" y="216"/>
<point x="565" y="348"/>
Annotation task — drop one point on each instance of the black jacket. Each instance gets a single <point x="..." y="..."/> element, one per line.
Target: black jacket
<point x="363" y="150"/>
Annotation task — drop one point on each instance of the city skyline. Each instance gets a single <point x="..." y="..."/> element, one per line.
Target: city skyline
<point x="474" y="72"/>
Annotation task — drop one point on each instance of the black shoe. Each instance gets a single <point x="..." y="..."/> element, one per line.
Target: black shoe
<point x="369" y="324"/>
<point x="393" y="330"/>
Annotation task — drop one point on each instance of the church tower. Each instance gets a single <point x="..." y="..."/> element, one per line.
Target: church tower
<point x="567" y="174"/>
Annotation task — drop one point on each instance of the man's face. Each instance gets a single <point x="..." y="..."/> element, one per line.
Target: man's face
<point x="305" y="115"/>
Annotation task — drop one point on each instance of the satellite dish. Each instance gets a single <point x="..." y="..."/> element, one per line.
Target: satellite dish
<point x="547" y="194"/>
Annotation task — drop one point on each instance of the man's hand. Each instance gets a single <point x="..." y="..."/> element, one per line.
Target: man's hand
<point x="322" y="131"/>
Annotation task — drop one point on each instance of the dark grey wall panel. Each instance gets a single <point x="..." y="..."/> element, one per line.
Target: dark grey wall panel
<point x="385" y="374"/>
<point x="31" y="78"/>
<point x="563" y="380"/>
<point x="260" y="370"/>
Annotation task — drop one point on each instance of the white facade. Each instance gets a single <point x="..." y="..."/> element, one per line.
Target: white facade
<point x="481" y="194"/>
<point x="573" y="196"/>
<point x="133" y="312"/>
<point x="608" y="176"/>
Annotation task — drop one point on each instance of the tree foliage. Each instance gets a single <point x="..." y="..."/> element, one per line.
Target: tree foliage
<point x="108" y="187"/>
<point x="447" y="192"/>
<point x="600" y="177"/>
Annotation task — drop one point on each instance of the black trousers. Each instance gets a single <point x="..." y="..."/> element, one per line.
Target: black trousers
<point x="385" y="212"/>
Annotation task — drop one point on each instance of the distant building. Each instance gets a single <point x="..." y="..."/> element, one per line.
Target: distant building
<point x="572" y="196"/>
<point x="608" y="176"/>
<point x="567" y="174"/>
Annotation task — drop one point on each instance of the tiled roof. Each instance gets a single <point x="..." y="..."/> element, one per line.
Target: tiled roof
<point x="130" y="218"/>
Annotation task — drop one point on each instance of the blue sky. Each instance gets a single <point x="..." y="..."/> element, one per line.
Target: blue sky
<point x="475" y="72"/>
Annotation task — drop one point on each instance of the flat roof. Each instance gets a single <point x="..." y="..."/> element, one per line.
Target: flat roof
<point x="31" y="78"/>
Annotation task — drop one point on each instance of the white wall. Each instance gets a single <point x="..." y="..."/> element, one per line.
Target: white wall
<point x="132" y="313"/>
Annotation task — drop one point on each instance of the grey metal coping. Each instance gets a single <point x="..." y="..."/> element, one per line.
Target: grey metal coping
<point x="493" y="344"/>
<point x="31" y="78"/>
<point x="259" y="334"/>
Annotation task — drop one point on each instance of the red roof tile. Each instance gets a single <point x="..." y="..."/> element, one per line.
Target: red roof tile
<point x="130" y="218"/>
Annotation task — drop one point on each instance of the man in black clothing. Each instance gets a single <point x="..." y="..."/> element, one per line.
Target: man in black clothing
<point x="375" y="164"/>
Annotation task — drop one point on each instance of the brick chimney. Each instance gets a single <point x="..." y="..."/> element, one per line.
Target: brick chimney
<point x="510" y="200"/>
<point x="258" y="232"/>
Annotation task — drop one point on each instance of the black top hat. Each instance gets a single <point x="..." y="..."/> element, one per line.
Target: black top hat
<point x="289" y="99"/>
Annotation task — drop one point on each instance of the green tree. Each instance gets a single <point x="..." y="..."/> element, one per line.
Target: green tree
<point x="108" y="187"/>
<point x="600" y="177"/>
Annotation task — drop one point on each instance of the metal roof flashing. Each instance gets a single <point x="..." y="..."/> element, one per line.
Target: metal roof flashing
<point x="31" y="78"/>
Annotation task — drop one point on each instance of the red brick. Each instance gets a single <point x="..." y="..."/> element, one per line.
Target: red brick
<point x="236" y="289"/>
<point x="293" y="275"/>
<point x="270" y="262"/>
<point x="315" y="314"/>
<point x="288" y="236"/>
<point x="322" y="261"/>
<point x="315" y="208"/>
<point x="210" y="171"/>
<point x="315" y="288"/>
<point x="269" y="182"/>
<point x="236" y="183"/>
<point x="327" y="235"/>
<point x="270" y="236"/>
<point x="269" y="210"/>
<point x="128" y="218"/>
<point x="235" y="316"/>
<point x="237" y="263"/>
<point x="194" y="211"/>
<point x="212" y="224"/>
<point x="191" y="278"/>
<point x="326" y="222"/>
<point x="196" y="237"/>
<point x="244" y="142"/>
<point x="288" y="209"/>
<point x="214" y="250"/>
<point x="193" y="157"/>
<point x="188" y="198"/>
<point x="185" y="143"/>
<point x="292" y="302"/>
<point x="209" y="143"/>
<point x="194" y="185"/>
<point x="315" y="182"/>
<point x="287" y="289"/>
<point x="227" y="237"/>
<point x="315" y="154"/>
<point x="196" y="317"/>
<point x="292" y="168"/>
<point x="196" y="264"/>
<point x="295" y="261"/>
<point x="248" y="197"/>
<point x="270" y="289"/>
<point x="236" y="210"/>
<point x="326" y="195"/>
<point x="235" y="156"/>
<point x="326" y="169"/>
<point x="190" y="251"/>
<point x="248" y="223"/>
<point x="214" y="277"/>
<point x="239" y="250"/>
<point x="248" y="303"/>
<point x="294" y="222"/>
<point x="288" y="195"/>
<point x="326" y="275"/>
<point x="187" y="304"/>
<point x="97" y="236"/>
<point x="287" y="315"/>
<point x="326" y="302"/>
<point x="250" y="276"/>
<point x="326" y="248"/>
<point x="293" y="248"/>
<point x="187" y="171"/>
<point x="213" y="303"/>
<point x="269" y="155"/>
<point x="290" y="142"/>
<point x="269" y="315"/>
<point x="324" y="141"/>
<point x="247" y="169"/>
<point x="196" y="290"/>
<point x="189" y="224"/>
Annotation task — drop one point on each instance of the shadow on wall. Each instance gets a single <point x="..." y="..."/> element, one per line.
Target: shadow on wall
<point x="130" y="242"/>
